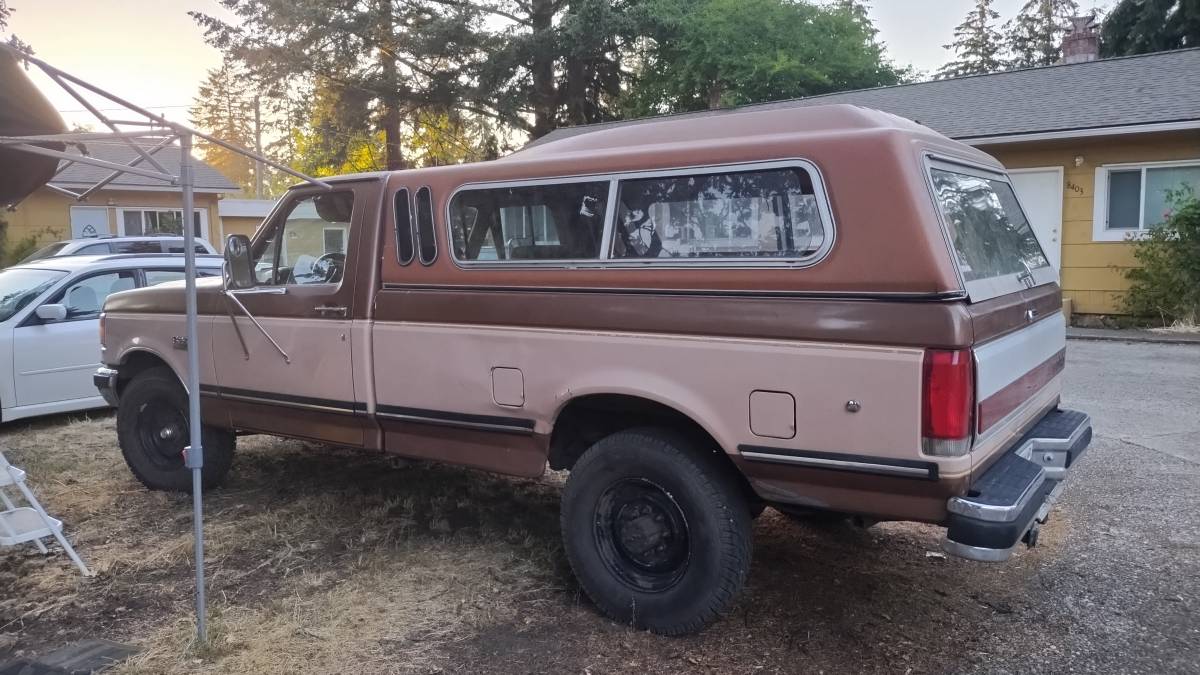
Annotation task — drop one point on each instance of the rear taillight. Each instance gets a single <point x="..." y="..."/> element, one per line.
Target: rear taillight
<point x="947" y="398"/>
<point x="101" y="330"/>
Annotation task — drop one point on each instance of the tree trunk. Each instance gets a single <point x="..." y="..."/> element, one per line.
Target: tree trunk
<point x="545" y="95"/>
<point x="389" y="98"/>
<point x="714" y="95"/>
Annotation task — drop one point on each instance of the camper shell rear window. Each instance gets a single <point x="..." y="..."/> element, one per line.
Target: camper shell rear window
<point x="992" y="241"/>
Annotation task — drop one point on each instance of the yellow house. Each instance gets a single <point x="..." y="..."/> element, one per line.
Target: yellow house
<point x="127" y="206"/>
<point x="1092" y="148"/>
<point x="243" y="216"/>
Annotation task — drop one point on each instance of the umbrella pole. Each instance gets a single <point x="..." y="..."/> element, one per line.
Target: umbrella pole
<point x="195" y="450"/>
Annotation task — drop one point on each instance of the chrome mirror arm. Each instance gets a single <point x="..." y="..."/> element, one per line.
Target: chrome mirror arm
<point x="232" y="295"/>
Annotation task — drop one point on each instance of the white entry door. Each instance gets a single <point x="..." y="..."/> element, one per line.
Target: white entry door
<point x="89" y="221"/>
<point x="1040" y="192"/>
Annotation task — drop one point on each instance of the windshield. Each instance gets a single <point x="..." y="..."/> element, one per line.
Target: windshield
<point x="992" y="238"/>
<point x="19" y="287"/>
<point x="46" y="251"/>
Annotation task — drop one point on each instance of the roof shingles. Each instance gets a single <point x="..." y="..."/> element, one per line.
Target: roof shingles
<point x="83" y="176"/>
<point x="1145" y="89"/>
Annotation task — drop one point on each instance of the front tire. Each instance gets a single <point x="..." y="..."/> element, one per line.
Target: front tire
<point x="657" y="531"/>
<point x="152" y="430"/>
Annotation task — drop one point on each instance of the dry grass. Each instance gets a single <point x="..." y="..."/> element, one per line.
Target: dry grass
<point x="316" y="557"/>
<point x="331" y="561"/>
<point x="1186" y="327"/>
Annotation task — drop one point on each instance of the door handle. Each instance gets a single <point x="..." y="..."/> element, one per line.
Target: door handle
<point x="330" y="310"/>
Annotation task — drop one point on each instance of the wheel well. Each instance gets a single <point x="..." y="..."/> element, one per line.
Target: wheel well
<point x="588" y="419"/>
<point x="136" y="363"/>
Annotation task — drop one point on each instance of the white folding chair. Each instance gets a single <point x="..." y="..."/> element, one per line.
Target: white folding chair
<point x="19" y="525"/>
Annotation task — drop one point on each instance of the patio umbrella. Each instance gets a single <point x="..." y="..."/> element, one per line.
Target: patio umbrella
<point x="24" y="112"/>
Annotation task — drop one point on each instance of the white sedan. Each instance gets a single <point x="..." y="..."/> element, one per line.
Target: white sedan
<point x="49" y="325"/>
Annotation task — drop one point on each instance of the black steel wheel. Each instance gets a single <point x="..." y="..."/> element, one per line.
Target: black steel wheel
<point x="152" y="430"/>
<point x="657" y="530"/>
<point x="641" y="534"/>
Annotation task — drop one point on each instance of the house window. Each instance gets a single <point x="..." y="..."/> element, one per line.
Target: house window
<point x="1131" y="199"/>
<point x="140" y="222"/>
<point x="335" y="240"/>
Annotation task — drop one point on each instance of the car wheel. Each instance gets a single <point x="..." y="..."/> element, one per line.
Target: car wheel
<point x="657" y="531"/>
<point x="152" y="430"/>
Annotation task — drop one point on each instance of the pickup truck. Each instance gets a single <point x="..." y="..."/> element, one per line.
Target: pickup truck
<point x="828" y="310"/>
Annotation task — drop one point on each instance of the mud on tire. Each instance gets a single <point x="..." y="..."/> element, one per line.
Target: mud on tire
<point x="656" y="530"/>
<point x="152" y="430"/>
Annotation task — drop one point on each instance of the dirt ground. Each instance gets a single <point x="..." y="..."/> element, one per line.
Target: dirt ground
<point x="335" y="561"/>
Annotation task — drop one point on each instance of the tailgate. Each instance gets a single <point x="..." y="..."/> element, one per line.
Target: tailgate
<point x="1012" y="375"/>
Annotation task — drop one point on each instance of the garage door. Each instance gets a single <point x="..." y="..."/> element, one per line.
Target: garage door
<point x="1041" y="194"/>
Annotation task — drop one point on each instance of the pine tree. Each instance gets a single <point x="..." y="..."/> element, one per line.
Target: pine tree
<point x="1146" y="26"/>
<point x="977" y="45"/>
<point x="1034" y="37"/>
<point x="224" y="107"/>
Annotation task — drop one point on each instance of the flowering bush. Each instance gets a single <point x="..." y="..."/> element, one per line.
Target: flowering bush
<point x="1167" y="285"/>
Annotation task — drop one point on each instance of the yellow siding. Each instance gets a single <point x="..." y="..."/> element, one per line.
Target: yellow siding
<point x="1093" y="273"/>
<point x="237" y="225"/>
<point x="47" y="214"/>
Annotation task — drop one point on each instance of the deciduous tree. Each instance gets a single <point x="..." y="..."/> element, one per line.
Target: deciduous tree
<point x="978" y="46"/>
<point x="716" y="53"/>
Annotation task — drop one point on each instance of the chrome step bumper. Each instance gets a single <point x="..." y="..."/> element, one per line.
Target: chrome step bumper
<point x="1013" y="497"/>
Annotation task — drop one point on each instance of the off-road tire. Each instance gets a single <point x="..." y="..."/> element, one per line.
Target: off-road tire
<point x="152" y="394"/>
<point x="711" y="502"/>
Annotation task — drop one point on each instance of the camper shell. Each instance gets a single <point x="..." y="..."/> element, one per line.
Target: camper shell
<point x="828" y="310"/>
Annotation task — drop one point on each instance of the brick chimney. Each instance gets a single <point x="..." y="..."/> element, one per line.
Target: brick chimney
<point x="1082" y="42"/>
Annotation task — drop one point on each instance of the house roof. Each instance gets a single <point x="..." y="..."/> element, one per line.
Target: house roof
<point x="1149" y="89"/>
<point x="82" y="176"/>
<point x="245" y="208"/>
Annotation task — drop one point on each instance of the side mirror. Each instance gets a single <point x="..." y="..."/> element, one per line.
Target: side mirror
<point x="239" y="267"/>
<point x="51" y="312"/>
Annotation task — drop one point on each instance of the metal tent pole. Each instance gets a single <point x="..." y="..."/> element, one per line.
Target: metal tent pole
<point x="195" y="450"/>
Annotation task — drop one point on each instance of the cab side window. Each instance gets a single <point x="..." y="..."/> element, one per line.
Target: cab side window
<point x="308" y="246"/>
<point x="84" y="298"/>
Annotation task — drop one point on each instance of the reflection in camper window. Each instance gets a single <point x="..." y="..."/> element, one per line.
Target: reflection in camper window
<point x="747" y="214"/>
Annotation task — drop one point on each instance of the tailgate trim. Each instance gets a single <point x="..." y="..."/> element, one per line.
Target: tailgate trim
<point x="999" y="405"/>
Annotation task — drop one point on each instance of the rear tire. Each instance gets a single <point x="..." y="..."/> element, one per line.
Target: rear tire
<point x="657" y="532"/>
<point x="152" y="430"/>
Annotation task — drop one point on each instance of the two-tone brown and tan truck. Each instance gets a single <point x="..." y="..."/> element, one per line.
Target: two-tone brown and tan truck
<point x="824" y="310"/>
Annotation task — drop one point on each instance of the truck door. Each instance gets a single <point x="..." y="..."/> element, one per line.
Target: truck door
<point x="292" y="373"/>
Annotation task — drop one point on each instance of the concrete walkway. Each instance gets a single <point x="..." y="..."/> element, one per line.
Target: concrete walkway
<point x="1133" y="335"/>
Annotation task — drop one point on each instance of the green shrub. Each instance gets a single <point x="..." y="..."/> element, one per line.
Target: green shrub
<point x="12" y="252"/>
<point x="1167" y="285"/>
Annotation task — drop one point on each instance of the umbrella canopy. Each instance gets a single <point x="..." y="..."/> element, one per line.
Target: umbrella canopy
<point x="24" y="112"/>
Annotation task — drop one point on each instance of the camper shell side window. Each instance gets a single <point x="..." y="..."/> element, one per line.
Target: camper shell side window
<point x="759" y="214"/>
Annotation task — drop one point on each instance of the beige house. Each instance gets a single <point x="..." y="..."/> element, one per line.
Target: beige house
<point x="242" y="216"/>
<point x="129" y="205"/>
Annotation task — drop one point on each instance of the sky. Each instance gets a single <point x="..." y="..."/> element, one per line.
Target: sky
<point x="153" y="53"/>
